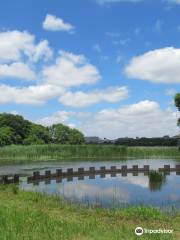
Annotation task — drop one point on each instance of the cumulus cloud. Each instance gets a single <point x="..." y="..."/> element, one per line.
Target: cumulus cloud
<point x="63" y="117"/>
<point x="82" y="99"/>
<point x="14" y="45"/>
<point x="158" y="66"/>
<point x="31" y="95"/>
<point x="58" y="117"/>
<point x="16" y="70"/>
<point x="143" y="119"/>
<point x="71" y="70"/>
<point x="19" y="55"/>
<point x="52" y="23"/>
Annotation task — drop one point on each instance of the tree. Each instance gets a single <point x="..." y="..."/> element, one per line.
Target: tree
<point x="37" y="135"/>
<point x="59" y="133"/>
<point x="62" y="134"/>
<point x="18" y="124"/>
<point x="76" y="137"/>
<point x="14" y="129"/>
<point x="6" y="136"/>
<point x="177" y="103"/>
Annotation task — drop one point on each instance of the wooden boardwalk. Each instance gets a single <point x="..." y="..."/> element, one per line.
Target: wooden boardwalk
<point x="102" y="171"/>
<point x="70" y="173"/>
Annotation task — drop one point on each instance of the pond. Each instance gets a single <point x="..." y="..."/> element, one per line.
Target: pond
<point x="105" y="191"/>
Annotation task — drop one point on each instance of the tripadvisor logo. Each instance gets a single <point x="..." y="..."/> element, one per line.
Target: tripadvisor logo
<point x="139" y="231"/>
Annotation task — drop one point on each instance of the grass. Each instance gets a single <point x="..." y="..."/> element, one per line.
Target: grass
<point x="156" y="180"/>
<point x="20" y="154"/>
<point x="34" y="216"/>
<point x="156" y="176"/>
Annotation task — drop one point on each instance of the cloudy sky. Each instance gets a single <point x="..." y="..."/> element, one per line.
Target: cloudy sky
<point x="110" y="68"/>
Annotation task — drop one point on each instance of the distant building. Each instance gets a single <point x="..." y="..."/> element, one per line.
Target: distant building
<point x="177" y="136"/>
<point x="92" y="139"/>
<point x="97" y="140"/>
<point x="166" y="137"/>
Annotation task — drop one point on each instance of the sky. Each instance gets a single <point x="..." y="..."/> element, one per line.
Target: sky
<point x="109" y="68"/>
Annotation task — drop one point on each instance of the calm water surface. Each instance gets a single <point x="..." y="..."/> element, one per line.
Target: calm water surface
<point x="108" y="191"/>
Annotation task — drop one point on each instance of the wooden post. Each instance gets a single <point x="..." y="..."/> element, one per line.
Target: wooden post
<point x="5" y="179"/>
<point x="47" y="174"/>
<point x="36" y="175"/>
<point x="92" y="173"/>
<point x="81" y="170"/>
<point x="146" y="170"/>
<point x="70" y="171"/>
<point x="124" y="170"/>
<point x="59" y="172"/>
<point x="103" y="169"/>
<point x="16" y="178"/>
<point x="92" y="169"/>
<point x="178" y="169"/>
<point x="135" y="168"/>
<point x="167" y="167"/>
<point x="113" y="168"/>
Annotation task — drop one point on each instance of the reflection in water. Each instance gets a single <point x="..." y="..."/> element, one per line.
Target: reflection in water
<point x="156" y="180"/>
<point x="115" y="191"/>
<point x="109" y="191"/>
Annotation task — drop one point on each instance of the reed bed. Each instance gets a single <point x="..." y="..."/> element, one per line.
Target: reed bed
<point x="18" y="153"/>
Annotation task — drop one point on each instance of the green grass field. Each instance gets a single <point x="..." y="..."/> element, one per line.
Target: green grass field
<point x="33" y="216"/>
<point x="15" y="154"/>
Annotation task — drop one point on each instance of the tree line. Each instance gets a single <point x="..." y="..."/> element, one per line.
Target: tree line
<point x="14" y="129"/>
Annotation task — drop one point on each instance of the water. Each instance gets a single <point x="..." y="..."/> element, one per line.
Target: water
<point x="105" y="191"/>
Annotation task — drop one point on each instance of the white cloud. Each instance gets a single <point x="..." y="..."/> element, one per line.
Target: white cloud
<point x="116" y="1"/>
<point x="81" y="99"/>
<point x="14" y="45"/>
<point x="42" y="50"/>
<point x="16" y="70"/>
<point x="32" y="95"/>
<point x="158" y="66"/>
<point x="52" y="23"/>
<point x="143" y="119"/>
<point x="58" y="117"/>
<point x="71" y="70"/>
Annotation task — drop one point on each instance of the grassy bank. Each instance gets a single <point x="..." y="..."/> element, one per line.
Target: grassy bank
<point x="61" y="152"/>
<point x="26" y="215"/>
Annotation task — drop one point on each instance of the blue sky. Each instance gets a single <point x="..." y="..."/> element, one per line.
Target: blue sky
<point x="107" y="67"/>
